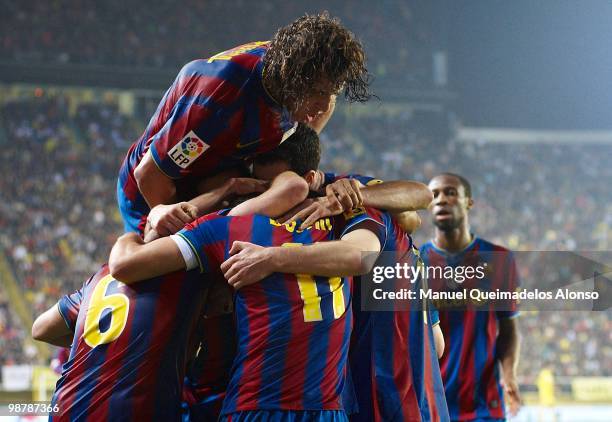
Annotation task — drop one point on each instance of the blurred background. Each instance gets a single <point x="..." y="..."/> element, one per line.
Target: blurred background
<point x="516" y="96"/>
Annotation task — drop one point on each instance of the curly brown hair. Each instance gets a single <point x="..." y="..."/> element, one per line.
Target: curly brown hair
<point x="311" y="50"/>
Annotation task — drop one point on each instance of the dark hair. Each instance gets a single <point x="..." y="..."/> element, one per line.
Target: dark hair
<point x="301" y="151"/>
<point x="312" y="49"/>
<point x="463" y="181"/>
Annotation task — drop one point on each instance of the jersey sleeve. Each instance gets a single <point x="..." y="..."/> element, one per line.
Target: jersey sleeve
<point x="364" y="218"/>
<point x="512" y="283"/>
<point x="68" y="307"/>
<point x="204" y="94"/>
<point x="207" y="238"/>
<point x="434" y="316"/>
<point x="364" y="180"/>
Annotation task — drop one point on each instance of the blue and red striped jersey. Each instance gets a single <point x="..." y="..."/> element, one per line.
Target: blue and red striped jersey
<point x="469" y="366"/>
<point x="393" y="360"/>
<point x="208" y="375"/>
<point x="293" y="330"/>
<point x="130" y="343"/>
<point x="216" y="113"/>
<point x="329" y="177"/>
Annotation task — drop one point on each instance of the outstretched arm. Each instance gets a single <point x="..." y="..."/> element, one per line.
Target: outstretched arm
<point x="401" y="196"/>
<point x="250" y="263"/>
<point x="132" y="260"/>
<point x="51" y="328"/>
<point x="397" y="196"/>
<point x="286" y="191"/>
<point x="172" y="217"/>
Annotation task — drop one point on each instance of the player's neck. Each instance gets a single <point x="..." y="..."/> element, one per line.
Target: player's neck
<point x="454" y="240"/>
<point x="318" y="180"/>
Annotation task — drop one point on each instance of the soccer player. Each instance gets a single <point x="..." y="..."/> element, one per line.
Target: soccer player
<point x="206" y="378"/>
<point x="130" y="342"/>
<point x="293" y="329"/>
<point x="479" y="363"/>
<point x="233" y="106"/>
<point x="128" y="346"/>
<point x="393" y="360"/>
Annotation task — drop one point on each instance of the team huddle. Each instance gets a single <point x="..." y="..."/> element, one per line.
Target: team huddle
<point x="235" y="292"/>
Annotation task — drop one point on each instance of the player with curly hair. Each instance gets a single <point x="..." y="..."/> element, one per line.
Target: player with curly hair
<point x="233" y="106"/>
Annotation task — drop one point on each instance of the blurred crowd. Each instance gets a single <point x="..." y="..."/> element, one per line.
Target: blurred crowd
<point x="57" y="209"/>
<point x="166" y="34"/>
<point x="12" y="337"/>
<point x="58" y="214"/>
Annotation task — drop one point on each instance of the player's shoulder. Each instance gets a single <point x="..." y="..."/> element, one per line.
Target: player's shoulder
<point x="363" y="212"/>
<point x="204" y="219"/>
<point x="427" y="246"/>
<point x="331" y="177"/>
<point x="103" y="272"/>
<point x="495" y="251"/>
<point x="242" y="57"/>
<point x="486" y="245"/>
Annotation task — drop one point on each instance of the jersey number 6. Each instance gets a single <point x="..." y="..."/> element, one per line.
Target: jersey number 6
<point x="118" y="305"/>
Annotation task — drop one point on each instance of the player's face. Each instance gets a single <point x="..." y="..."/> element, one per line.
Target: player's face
<point x="319" y="102"/>
<point x="450" y="205"/>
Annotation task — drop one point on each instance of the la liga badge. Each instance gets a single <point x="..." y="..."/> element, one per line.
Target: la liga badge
<point x="188" y="150"/>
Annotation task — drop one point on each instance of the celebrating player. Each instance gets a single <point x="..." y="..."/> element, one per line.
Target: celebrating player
<point x="283" y="315"/>
<point x="478" y="341"/>
<point x="233" y="106"/>
<point x="394" y="362"/>
<point x="207" y="378"/>
<point x="129" y="343"/>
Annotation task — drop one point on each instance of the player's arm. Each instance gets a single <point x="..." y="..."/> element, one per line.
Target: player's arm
<point x="250" y="263"/>
<point x="433" y="317"/>
<point x="409" y="221"/>
<point x="508" y="348"/>
<point x="438" y="340"/>
<point x="132" y="260"/>
<point x="175" y="148"/>
<point x="156" y="187"/>
<point x="50" y="327"/>
<point x="211" y="201"/>
<point x="397" y="197"/>
<point x="286" y="191"/>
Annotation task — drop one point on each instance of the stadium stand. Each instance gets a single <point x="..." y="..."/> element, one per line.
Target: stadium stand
<point x="45" y="33"/>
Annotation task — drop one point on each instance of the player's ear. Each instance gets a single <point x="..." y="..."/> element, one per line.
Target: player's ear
<point x="470" y="203"/>
<point x="310" y="178"/>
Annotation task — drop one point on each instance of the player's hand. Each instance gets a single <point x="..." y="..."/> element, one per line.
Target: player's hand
<point x="316" y="209"/>
<point x="168" y="219"/>
<point x="346" y="193"/>
<point x="247" y="264"/>
<point x="512" y="394"/>
<point x="149" y="234"/>
<point x="245" y="185"/>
